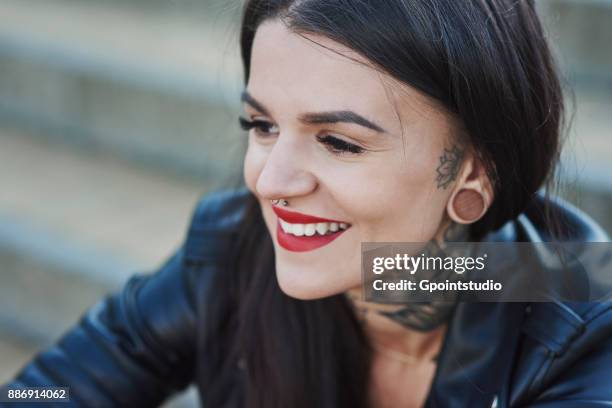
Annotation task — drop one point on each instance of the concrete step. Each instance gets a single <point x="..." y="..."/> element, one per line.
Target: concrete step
<point x="99" y="201"/>
<point x="13" y="354"/>
<point x="161" y="89"/>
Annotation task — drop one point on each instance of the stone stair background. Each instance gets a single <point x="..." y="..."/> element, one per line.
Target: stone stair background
<point x="116" y="115"/>
<point x="148" y="87"/>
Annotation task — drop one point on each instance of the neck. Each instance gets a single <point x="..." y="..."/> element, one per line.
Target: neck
<point x="395" y="331"/>
<point x="385" y="332"/>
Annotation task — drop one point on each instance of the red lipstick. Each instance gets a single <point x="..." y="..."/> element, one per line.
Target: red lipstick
<point x="304" y="243"/>
<point x="299" y="218"/>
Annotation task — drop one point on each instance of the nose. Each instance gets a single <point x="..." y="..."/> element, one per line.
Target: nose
<point x="285" y="173"/>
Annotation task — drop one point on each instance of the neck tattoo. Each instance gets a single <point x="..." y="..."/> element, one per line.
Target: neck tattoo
<point x="426" y="316"/>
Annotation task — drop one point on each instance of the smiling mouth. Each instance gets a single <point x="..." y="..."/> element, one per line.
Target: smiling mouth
<point x="307" y="237"/>
<point x="300" y="232"/>
<point x="309" y="230"/>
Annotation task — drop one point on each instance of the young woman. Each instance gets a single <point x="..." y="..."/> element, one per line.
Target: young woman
<point x="368" y="121"/>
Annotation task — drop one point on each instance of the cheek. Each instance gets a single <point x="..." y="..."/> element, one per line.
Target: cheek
<point x="418" y="205"/>
<point x="393" y="201"/>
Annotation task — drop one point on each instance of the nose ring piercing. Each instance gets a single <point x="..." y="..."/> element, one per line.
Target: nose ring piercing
<point x="281" y="202"/>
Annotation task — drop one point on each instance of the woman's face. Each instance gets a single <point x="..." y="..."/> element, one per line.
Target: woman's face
<point x="339" y="141"/>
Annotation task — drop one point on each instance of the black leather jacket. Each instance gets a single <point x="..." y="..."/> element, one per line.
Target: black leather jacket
<point x="139" y="346"/>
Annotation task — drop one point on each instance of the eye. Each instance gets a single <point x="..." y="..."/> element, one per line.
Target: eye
<point x="339" y="146"/>
<point x="262" y="128"/>
<point x="333" y="144"/>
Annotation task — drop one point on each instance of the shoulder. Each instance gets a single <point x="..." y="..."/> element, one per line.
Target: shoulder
<point x="215" y="220"/>
<point x="533" y="224"/>
<point x="585" y="239"/>
<point x="574" y="224"/>
<point x="566" y="354"/>
<point x="221" y="209"/>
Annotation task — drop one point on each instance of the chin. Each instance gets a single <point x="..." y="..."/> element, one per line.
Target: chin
<point x="305" y="284"/>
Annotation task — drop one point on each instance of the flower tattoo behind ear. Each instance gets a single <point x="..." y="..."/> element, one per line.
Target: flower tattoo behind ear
<point x="450" y="162"/>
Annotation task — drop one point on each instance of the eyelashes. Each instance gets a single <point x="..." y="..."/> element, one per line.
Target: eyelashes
<point x="339" y="145"/>
<point x="260" y="126"/>
<point x="332" y="143"/>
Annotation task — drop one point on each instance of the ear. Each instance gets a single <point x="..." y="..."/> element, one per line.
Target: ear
<point x="472" y="194"/>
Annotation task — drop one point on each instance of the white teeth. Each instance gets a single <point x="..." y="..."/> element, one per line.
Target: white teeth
<point x="298" y="230"/>
<point x="286" y="226"/>
<point x="309" y="230"/>
<point x="320" y="228"/>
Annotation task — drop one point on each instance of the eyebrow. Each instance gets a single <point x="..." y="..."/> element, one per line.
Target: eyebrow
<point x="312" y="118"/>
